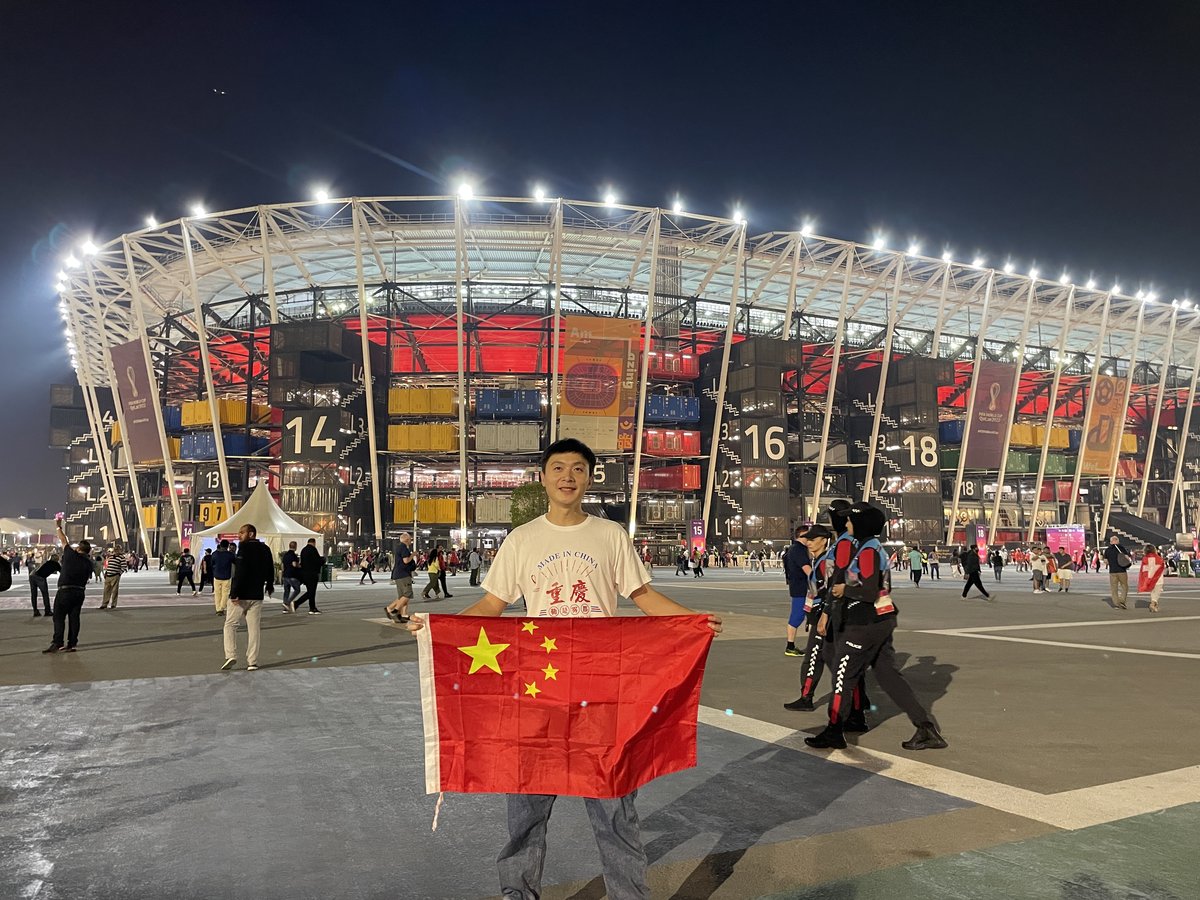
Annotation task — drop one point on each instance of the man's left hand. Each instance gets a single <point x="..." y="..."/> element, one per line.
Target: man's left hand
<point x="838" y="590"/>
<point x="714" y="622"/>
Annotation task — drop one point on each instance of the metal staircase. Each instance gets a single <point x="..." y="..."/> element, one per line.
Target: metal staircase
<point x="358" y="488"/>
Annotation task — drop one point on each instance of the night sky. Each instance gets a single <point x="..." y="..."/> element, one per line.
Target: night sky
<point x="1063" y="135"/>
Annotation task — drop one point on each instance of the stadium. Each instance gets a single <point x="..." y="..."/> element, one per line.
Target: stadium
<point x="398" y="363"/>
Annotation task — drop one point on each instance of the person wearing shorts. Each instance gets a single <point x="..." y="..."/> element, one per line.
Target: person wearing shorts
<point x="402" y="571"/>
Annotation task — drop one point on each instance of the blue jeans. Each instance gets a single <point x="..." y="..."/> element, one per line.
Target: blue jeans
<point x="618" y="837"/>
<point x="291" y="588"/>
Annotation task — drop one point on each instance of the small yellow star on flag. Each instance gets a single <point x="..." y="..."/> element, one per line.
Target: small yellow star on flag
<point x="484" y="654"/>
<point x="532" y="690"/>
<point x="530" y="627"/>
<point x="550" y="672"/>
<point x="549" y="644"/>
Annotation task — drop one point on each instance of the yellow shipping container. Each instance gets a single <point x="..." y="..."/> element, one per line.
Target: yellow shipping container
<point x="402" y="510"/>
<point x="1060" y="438"/>
<point x="418" y="402"/>
<point x="398" y="438"/>
<point x="114" y="438"/>
<point x="398" y="404"/>
<point x="1129" y="443"/>
<point x="441" y="401"/>
<point x="443" y="437"/>
<point x="150" y="516"/>
<point x="418" y="438"/>
<point x="176" y="447"/>
<point x="195" y="412"/>
<point x="1023" y="436"/>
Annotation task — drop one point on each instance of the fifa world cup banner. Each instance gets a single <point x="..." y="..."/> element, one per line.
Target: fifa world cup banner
<point x="599" y="392"/>
<point x="582" y="707"/>
<point x="988" y="428"/>
<point x="133" y="388"/>
<point x="1070" y="536"/>
<point x="1106" y="412"/>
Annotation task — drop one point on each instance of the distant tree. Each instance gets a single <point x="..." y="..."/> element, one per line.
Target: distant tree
<point x="528" y="502"/>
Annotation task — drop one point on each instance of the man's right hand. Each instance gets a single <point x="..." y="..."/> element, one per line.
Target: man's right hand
<point x="822" y="624"/>
<point x="415" y="623"/>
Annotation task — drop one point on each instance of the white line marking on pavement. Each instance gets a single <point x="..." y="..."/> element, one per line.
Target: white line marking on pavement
<point x="1069" y="810"/>
<point x="985" y="628"/>
<point x="1017" y="640"/>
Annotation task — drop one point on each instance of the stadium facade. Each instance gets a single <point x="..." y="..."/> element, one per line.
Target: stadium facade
<point x="385" y="362"/>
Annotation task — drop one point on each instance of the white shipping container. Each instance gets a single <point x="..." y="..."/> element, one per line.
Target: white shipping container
<point x="493" y="509"/>
<point x="486" y="438"/>
<point x="509" y="434"/>
<point x="529" y="436"/>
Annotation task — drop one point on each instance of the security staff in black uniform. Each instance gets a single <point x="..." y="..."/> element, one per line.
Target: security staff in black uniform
<point x="866" y="618"/>
<point x="818" y="538"/>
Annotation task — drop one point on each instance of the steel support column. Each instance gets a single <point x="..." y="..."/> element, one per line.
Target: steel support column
<point x="461" y="276"/>
<point x="647" y="346"/>
<point x="264" y="230"/>
<point x="881" y="390"/>
<point x="735" y="284"/>
<point x="830" y="391"/>
<point x="214" y="407"/>
<point x="1091" y="394"/>
<point x="962" y="454"/>
<point x="1116" y="455"/>
<point x="368" y="377"/>
<point x="1177" y="481"/>
<point x="1051" y="405"/>
<point x="556" y="265"/>
<point x="1158" y="405"/>
<point x="1012" y="412"/>
<point x="139" y="324"/>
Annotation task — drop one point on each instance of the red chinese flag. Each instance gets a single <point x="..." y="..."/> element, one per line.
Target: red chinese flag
<point x="582" y="707"/>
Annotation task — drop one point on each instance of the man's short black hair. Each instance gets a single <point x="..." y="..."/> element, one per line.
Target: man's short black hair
<point x="569" y="445"/>
<point x="224" y="545"/>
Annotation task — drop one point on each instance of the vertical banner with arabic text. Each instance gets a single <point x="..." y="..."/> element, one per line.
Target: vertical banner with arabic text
<point x="1106" y="410"/>
<point x="988" y="428"/>
<point x="133" y="389"/>
<point x="600" y="371"/>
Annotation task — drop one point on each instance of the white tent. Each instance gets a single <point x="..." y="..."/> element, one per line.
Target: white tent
<point x="275" y="527"/>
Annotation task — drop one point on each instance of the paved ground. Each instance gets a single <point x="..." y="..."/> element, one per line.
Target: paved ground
<point x="135" y="769"/>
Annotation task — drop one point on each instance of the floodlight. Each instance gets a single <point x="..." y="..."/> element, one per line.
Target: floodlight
<point x="947" y="256"/>
<point x="914" y="249"/>
<point x="1064" y="278"/>
<point x="70" y="261"/>
<point x="465" y="191"/>
<point x="880" y="242"/>
<point x="806" y="229"/>
<point x="198" y="210"/>
<point x="151" y="222"/>
<point x="678" y="208"/>
<point x="1009" y="268"/>
<point x="87" y="248"/>
<point x="539" y="193"/>
<point x="320" y="194"/>
<point x="610" y="199"/>
<point x="1033" y="273"/>
<point x="978" y="262"/>
<point x="1091" y="284"/>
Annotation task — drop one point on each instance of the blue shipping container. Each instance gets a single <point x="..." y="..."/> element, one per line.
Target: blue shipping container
<point x="172" y="418"/>
<point x="1073" y="438"/>
<point x="951" y="431"/>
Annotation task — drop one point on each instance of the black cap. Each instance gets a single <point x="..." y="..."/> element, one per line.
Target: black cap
<point x="839" y="512"/>
<point x="868" y="520"/>
<point x="817" y="531"/>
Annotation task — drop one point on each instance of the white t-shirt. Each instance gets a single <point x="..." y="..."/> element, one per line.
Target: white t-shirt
<point x="573" y="571"/>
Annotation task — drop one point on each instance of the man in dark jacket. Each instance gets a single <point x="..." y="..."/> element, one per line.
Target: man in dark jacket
<point x="1119" y="561"/>
<point x="311" y="562"/>
<point x="289" y="564"/>
<point x="970" y="566"/>
<point x="74" y="575"/>
<point x="253" y="574"/>
<point x="797" y="566"/>
<point x="38" y="582"/>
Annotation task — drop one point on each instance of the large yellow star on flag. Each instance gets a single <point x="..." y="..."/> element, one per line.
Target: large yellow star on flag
<point x="533" y="690"/>
<point x="549" y="644"/>
<point x="550" y="672"/>
<point x="530" y="627"/>
<point x="484" y="654"/>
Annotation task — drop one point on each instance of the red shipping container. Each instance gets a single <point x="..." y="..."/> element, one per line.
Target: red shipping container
<point x="670" y="442"/>
<point x="669" y="365"/>
<point x="672" y="478"/>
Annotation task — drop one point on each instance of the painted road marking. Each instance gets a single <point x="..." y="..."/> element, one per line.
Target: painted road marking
<point x="1018" y="640"/>
<point x="1070" y="810"/>
<point x="986" y="628"/>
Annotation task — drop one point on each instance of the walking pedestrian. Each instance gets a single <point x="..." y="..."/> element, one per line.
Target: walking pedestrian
<point x="969" y="558"/>
<point x="253" y="576"/>
<point x="1150" y="576"/>
<point x="74" y="573"/>
<point x="868" y="620"/>
<point x="364" y="567"/>
<point x="443" y="564"/>
<point x="816" y="539"/>
<point x="311" y="564"/>
<point x="681" y="563"/>
<point x="935" y="571"/>
<point x="432" y="569"/>
<point x="1040" y="565"/>
<point x="797" y="567"/>
<point x="699" y="562"/>
<point x="38" y="582"/>
<point x="997" y="559"/>
<point x="222" y="572"/>
<point x="1119" y="562"/>
<point x="289" y="574"/>
<point x="206" y="569"/>
<point x="916" y="566"/>
<point x="402" y="573"/>
<point x="187" y="565"/>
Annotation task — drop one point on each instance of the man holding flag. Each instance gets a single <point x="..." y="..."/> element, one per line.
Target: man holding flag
<point x="640" y="684"/>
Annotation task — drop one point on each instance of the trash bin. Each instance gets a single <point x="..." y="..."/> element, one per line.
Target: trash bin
<point x="327" y="574"/>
